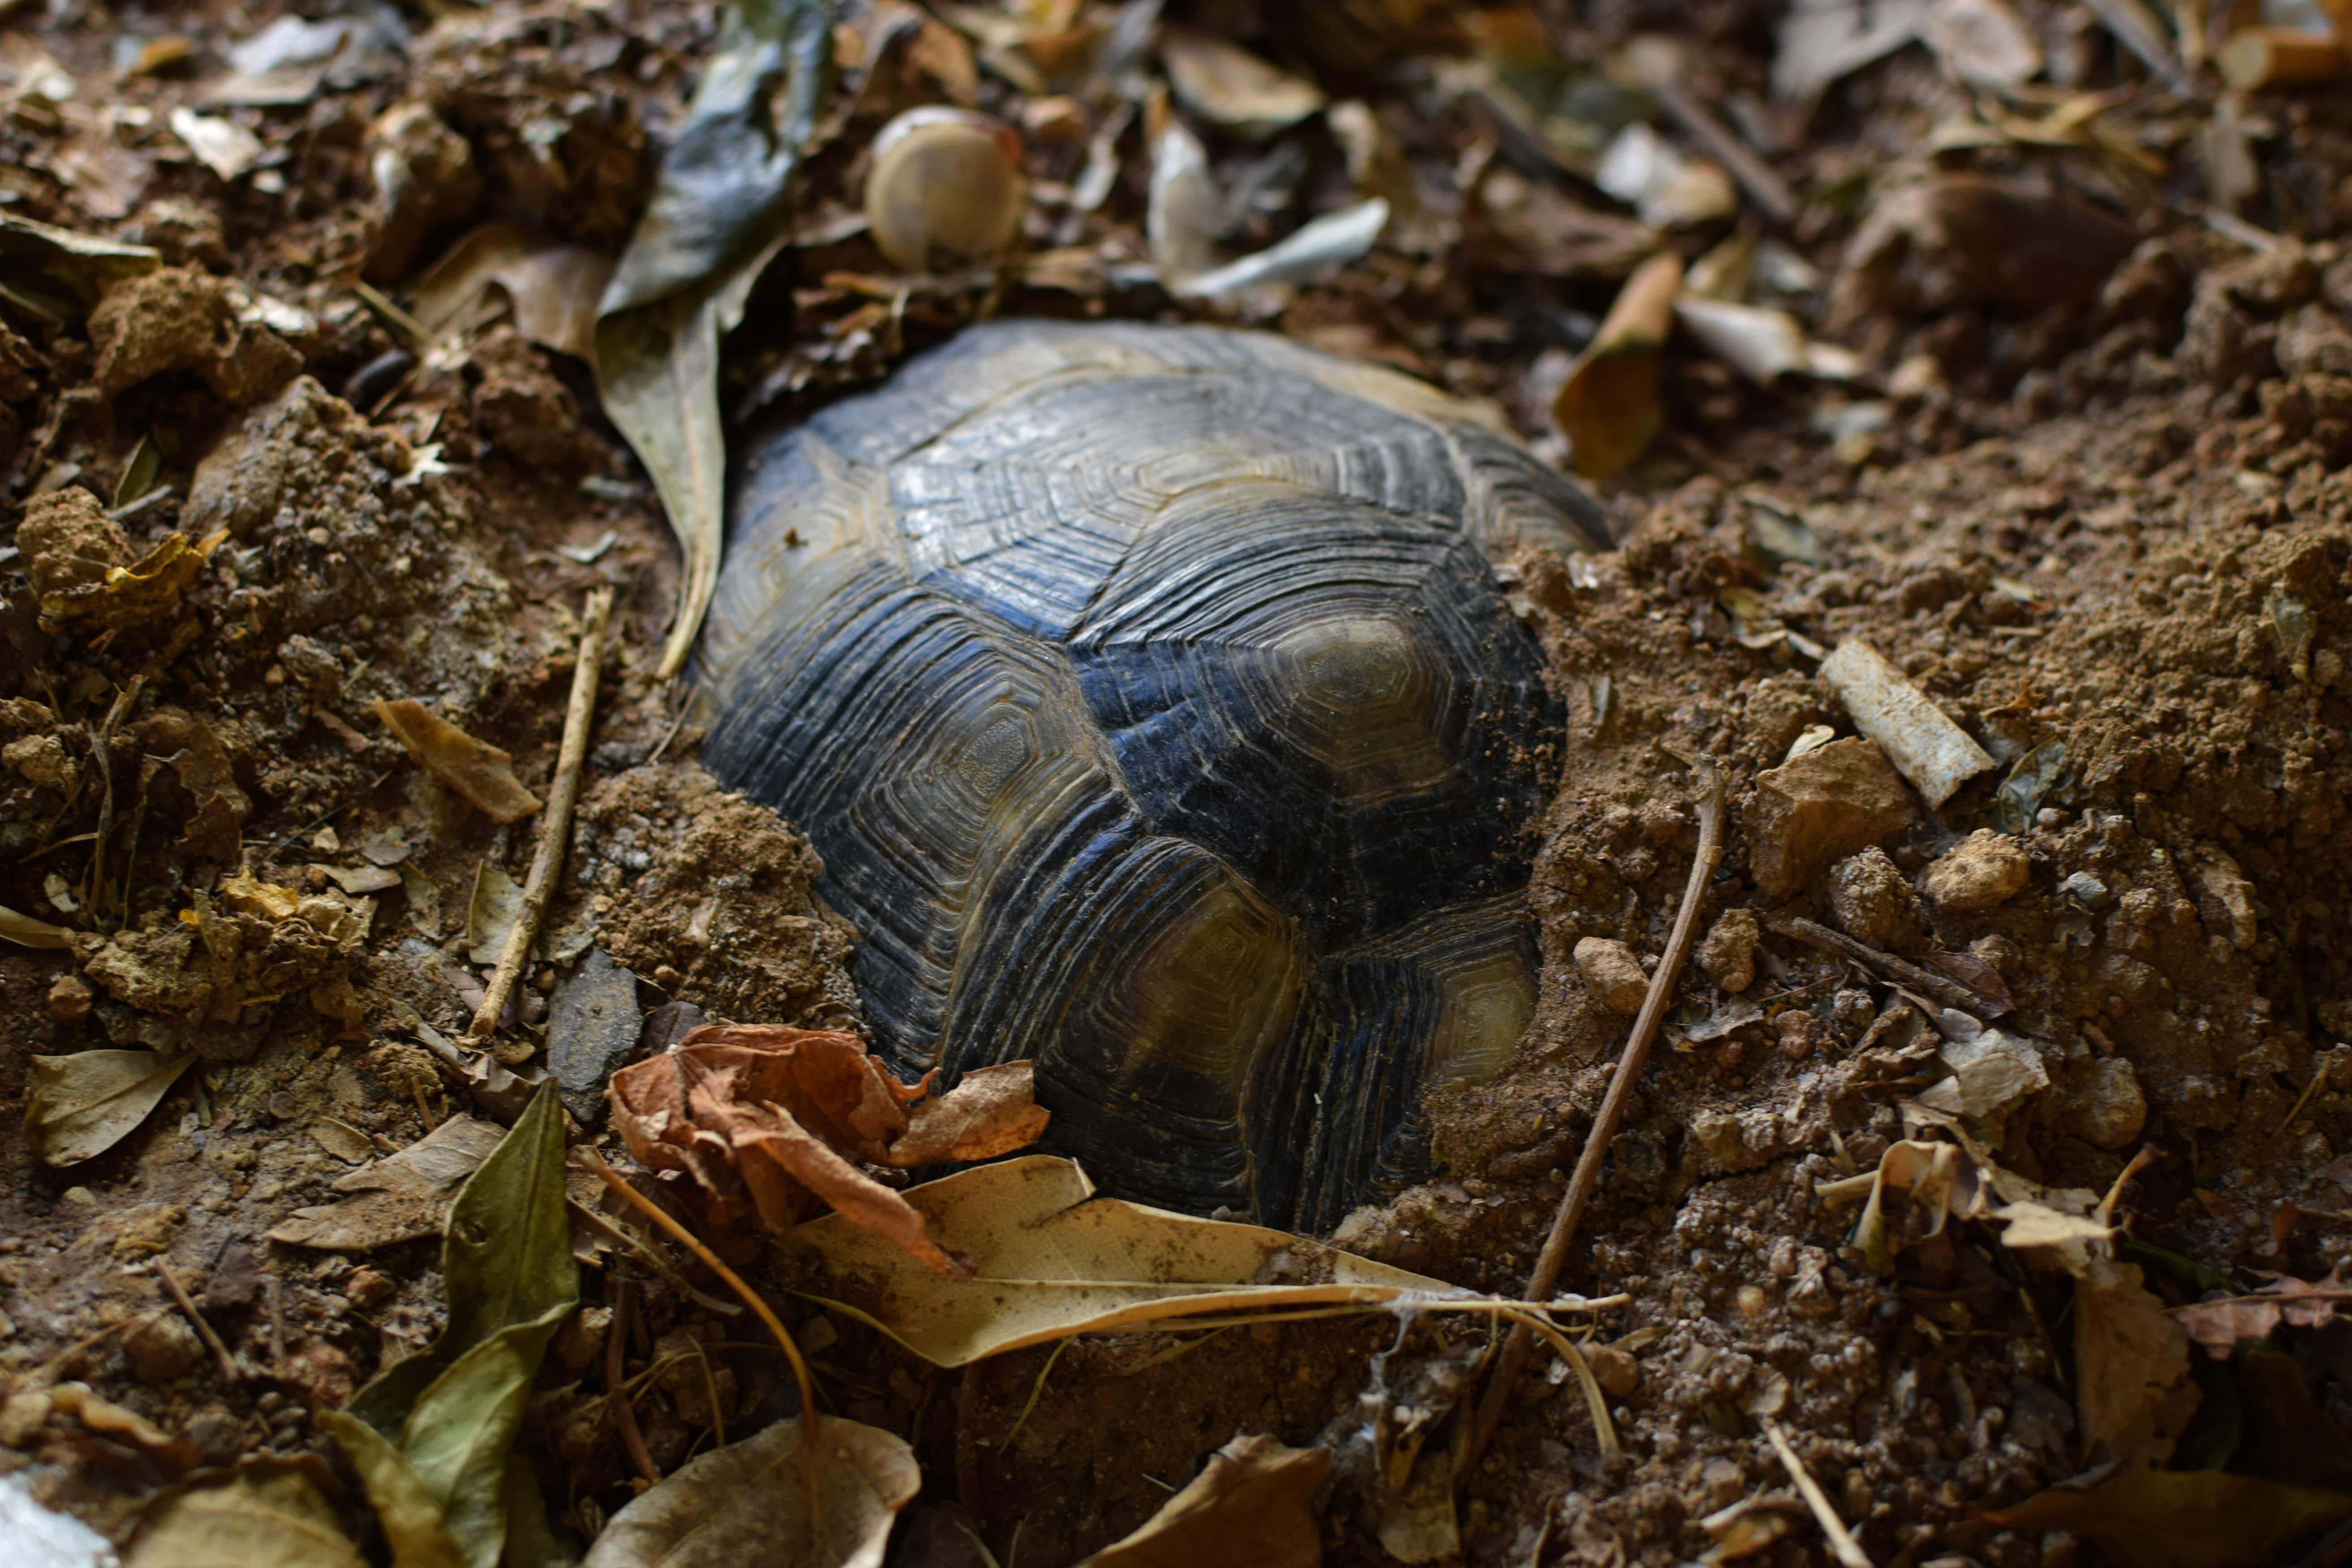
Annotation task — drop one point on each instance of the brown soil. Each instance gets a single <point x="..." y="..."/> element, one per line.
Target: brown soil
<point x="2118" y="524"/>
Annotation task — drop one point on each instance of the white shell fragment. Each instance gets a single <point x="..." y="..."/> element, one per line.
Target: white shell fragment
<point x="1926" y="748"/>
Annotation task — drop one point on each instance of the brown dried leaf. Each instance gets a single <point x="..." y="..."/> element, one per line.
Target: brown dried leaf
<point x="1232" y="88"/>
<point x="2131" y="1366"/>
<point x="175" y="1457"/>
<point x="86" y="1104"/>
<point x="400" y="1196"/>
<point x="2182" y="1518"/>
<point x="748" y="1505"/>
<point x="772" y="1119"/>
<point x="481" y="773"/>
<point x="1251" y="1507"/>
<point x="2220" y="1325"/>
<point x="991" y="1111"/>
<point x="552" y="288"/>
<point x="1608" y="407"/>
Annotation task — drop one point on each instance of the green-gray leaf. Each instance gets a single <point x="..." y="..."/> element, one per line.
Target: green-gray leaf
<point x="59" y="273"/>
<point x="432" y="1436"/>
<point x="719" y="215"/>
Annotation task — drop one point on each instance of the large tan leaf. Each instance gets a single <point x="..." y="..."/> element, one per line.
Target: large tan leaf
<point x="1057" y="1261"/>
<point x="2131" y="1365"/>
<point x="747" y="1505"/>
<point x="399" y="1197"/>
<point x="86" y="1104"/>
<point x="268" y="1515"/>
<point x="1251" y="1507"/>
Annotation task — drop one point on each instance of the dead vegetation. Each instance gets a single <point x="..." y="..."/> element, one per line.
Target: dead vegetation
<point x="1971" y="384"/>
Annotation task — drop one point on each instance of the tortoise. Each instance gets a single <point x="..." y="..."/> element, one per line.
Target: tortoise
<point x="1147" y="693"/>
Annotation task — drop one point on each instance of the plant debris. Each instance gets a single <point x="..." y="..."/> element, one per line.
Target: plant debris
<point x="773" y="1501"/>
<point x="771" y="1121"/>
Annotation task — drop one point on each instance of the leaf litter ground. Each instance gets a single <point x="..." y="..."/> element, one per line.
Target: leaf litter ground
<point x="2087" y="499"/>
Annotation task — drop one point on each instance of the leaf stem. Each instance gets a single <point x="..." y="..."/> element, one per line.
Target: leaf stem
<point x="752" y="1299"/>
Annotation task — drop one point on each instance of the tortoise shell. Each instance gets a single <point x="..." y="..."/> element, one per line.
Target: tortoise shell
<point x="1145" y="691"/>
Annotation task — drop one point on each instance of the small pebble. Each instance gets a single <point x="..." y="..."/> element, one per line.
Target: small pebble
<point x="69" y="999"/>
<point x="2084" y="889"/>
<point x="1612" y="973"/>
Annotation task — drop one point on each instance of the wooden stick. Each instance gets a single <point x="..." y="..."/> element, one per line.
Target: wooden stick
<point x="1848" y="1551"/>
<point x="1764" y="187"/>
<point x="555" y="824"/>
<point x="1554" y="1256"/>
<point x="230" y="1371"/>
<point x="1950" y="993"/>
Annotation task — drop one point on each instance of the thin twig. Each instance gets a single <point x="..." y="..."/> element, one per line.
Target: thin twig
<point x="555" y="824"/>
<point x="1841" y="1541"/>
<point x="1950" y="993"/>
<point x="1580" y="1186"/>
<point x="101" y="752"/>
<point x="692" y="1243"/>
<point x="230" y="1371"/>
<point x="617" y="1386"/>
<point x="1766" y="188"/>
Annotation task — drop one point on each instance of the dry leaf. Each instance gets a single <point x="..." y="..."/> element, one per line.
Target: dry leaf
<point x="2182" y="1518"/>
<point x="1823" y="40"/>
<point x="269" y="1514"/>
<point x="1187" y="209"/>
<point x="400" y="1196"/>
<point x="481" y="773"/>
<point x="1251" y="1507"/>
<point x="491" y="914"/>
<point x="1232" y="89"/>
<point x="747" y="1505"/>
<point x="2221" y="1325"/>
<point x="1985" y="43"/>
<point x="553" y="290"/>
<point x="990" y="1111"/>
<point x="148" y="589"/>
<point x="358" y="879"/>
<point x="224" y="146"/>
<point x="1666" y="188"/>
<point x="86" y="1104"/>
<point x="719" y="212"/>
<point x="62" y="273"/>
<point x="26" y="932"/>
<point x="2131" y="1364"/>
<point x="1608" y="407"/>
<point x="1313" y="251"/>
<point x="343" y="1141"/>
<point x="773" y="1119"/>
<point x="1061" y="1261"/>
<point x="1762" y="344"/>
<point x="175" y="1455"/>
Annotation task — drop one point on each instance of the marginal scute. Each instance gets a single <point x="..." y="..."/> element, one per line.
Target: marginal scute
<point x="1146" y="693"/>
